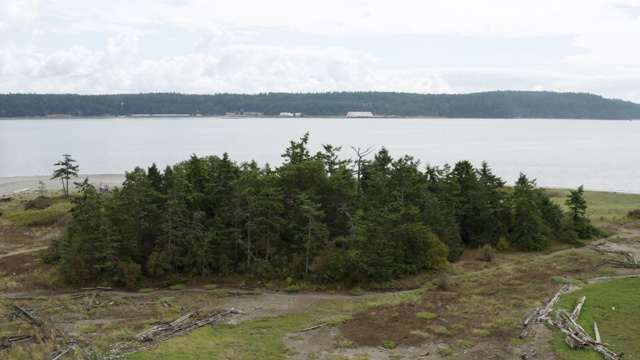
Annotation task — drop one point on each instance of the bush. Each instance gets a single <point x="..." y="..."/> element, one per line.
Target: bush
<point x="292" y="288"/>
<point x="634" y="214"/>
<point x="487" y="253"/>
<point x="389" y="345"/>
<point x="37" y="204"/>
<point x="427" y="315"/>
<point x="48" y="216"/>
<point x="443" y="282"/>
<point x="357" y="291"/>
<point x="129" y="272"/>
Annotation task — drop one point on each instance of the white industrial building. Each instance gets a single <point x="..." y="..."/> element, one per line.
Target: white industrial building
<point x="359" y="114"/>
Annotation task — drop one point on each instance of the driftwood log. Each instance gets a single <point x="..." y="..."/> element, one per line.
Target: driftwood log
<point x="24" y="314"/>
<point x="576" y="336"/>
<point x="7" y="342"/>
<point x="313" y="327"/>
<point x="162" y="332"/>
<point x="540" y="314"/>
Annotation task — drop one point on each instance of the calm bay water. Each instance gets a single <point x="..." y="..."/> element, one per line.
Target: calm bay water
<point x="600" y="154"/>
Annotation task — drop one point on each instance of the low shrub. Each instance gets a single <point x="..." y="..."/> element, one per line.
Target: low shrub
<point x="634" y="214"/>
<point x="48" y="216"/>
<point x="292" y="288"/>
<point x="389" y="344"/>
<point x="39" y="203"/>
<point x="427" y="315"/>
<point x="487" y="253"/>
<point x="357" y="291"/>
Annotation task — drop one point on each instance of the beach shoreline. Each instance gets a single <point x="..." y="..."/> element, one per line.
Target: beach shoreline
<point x="11" y="186"/>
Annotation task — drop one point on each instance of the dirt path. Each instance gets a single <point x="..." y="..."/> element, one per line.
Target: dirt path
<point x="20" y="252"/>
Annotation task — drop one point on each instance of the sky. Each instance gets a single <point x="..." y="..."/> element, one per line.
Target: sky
<point x="258" y="46"/>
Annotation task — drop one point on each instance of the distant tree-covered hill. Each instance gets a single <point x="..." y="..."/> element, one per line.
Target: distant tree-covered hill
<point x="497" y="104"/>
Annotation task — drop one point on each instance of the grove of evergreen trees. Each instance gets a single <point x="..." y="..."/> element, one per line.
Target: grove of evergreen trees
<point x="495" y="104"/>
<point x="313" y="218"/>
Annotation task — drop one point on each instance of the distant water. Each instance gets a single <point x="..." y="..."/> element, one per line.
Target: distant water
<point x="601" y="154"/>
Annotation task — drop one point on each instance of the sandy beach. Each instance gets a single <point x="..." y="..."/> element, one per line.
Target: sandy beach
<point x="10" y="186"/>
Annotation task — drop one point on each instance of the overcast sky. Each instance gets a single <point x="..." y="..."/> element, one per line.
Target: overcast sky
<point x="252" y="46"/>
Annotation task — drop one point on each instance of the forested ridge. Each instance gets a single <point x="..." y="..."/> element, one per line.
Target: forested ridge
<point x="316" y="217"/>
<point x="496" y="104"/>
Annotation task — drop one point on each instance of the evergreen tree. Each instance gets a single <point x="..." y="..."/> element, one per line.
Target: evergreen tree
<point x="578" y="214"/>
<point x="527" y="233"/>
<point x="65" y="172"/>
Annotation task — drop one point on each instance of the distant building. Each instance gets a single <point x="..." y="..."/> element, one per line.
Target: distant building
<point x="286" y="114"/>
<point x="242" y="113"/>
<point x="359" y="114"/>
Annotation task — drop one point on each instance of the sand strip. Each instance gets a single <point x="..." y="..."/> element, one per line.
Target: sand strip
<point x="11" y="186"/>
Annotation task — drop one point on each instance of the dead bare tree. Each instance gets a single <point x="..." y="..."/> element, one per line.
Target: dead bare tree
<point x="361" y="154"/>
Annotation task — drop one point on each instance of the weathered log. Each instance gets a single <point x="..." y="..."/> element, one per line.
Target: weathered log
<point x="313" y="327"/>
<point x="528" y="354"/>
<point x="90" y="304"/>
<point x="25" y="314"/>
<point x="605" y="278"/>
<point x="623" y="264"/>
<point x="631" y="259"/>
<point x="575" y="342"/>
<point x="547" y="309"/>
<point x="533" y="316"/>
<point x="576" y="311"/>
<point x="526" y="331"/>
<point x="595" y="330"/>
<point x="610" y="251"/>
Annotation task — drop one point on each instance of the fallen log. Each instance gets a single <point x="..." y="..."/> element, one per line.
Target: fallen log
<point x="91" y="300"/>
<point x="622" y="264"/>
<point x="576" y="311"/>
<point x="17" y="310"/>
<point x="631" y="259"/>
<point x="7" y="342"/>
<point x="313" y="327"/>
<point x="595" y="330"/>
<point x="164" y="331"/>
<point x="541" y="314"/>
<point x="528" y="354"/>
<point x="610" y="251"/>
<point x="604" y="278"/>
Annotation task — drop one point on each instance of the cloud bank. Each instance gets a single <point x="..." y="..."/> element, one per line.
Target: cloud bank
<point x="95" y="47"/>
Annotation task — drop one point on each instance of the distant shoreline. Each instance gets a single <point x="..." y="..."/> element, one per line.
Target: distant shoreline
<point x="14" y="185"/>
<point x="11" y="186"/>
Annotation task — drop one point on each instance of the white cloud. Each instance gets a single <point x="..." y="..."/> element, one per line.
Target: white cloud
<point x="16" y="14"/>
<point x="209" y="46"/>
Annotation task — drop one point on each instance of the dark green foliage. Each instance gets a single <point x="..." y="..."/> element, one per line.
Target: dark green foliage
<point x="580" y="223"/>
<point x="65" y="171"/>
<point x="634" y="214"/>
<point x="306" y="219"/>
<point x="495" y="104"/>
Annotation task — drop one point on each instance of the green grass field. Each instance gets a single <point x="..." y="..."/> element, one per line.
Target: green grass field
<point x="615" y="307"/>
<point x="602" y="206"/>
